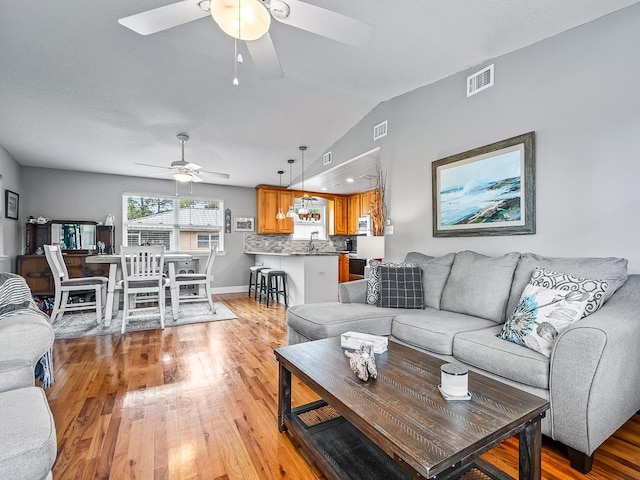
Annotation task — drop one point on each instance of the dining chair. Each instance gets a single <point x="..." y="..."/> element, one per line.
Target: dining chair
<point x="65" y="286"/>
<point x="142" y="273"/>
<point x="198" y="279"/>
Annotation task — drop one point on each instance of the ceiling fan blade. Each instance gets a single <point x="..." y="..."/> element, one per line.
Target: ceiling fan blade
<point x="265" y="58"/>
<point x="151" y="165"/>
<point x="217" y="174"/>
<point x="156" y="174"/>
<point x="192" y="166"/>
<point x="195" y="178"/>
<point x="163" y="18"/>
<point x="327" y="23"/>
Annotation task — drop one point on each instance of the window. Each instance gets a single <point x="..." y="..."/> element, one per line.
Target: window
<point x="176" y="223"/>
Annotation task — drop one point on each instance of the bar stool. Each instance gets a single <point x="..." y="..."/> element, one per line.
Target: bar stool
<point x="273" y="284"/>
<point x="254" y="282"/>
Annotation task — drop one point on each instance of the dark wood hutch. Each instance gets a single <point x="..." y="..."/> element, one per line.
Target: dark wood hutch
<point x="33" y="264"/>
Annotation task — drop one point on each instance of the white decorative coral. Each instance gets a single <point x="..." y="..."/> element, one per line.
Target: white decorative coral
<point x="363" y="362"/>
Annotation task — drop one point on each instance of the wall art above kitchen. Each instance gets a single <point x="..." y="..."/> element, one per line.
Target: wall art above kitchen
<point x="489" y="190"/>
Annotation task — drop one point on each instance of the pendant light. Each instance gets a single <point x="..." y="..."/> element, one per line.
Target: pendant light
<point x="280" y="215"/>
<point x="303" y="209"/>
<point x="290" y="213"/>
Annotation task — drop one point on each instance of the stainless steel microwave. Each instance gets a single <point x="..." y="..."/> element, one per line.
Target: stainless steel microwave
<point x="364" y="225"/>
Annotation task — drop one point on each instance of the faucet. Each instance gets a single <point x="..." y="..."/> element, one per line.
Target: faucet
<point x="311" y="247"/>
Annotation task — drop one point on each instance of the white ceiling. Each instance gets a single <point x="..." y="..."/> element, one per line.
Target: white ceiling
<point x="78" y="91"/>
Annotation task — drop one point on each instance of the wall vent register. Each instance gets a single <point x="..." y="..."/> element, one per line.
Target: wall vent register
<point x="480" y="80"/>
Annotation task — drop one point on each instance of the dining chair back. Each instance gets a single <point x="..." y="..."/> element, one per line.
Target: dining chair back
<point x="64" y="286"/>
<point x="142" y="273"/>
<point x="200" y="280"/>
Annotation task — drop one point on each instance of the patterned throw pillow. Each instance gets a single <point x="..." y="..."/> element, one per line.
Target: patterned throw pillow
<point x="542" y="277"/>
<point x="541" y="315"/>
<point x="400" y="286"/>
<point x="373" y="281"/>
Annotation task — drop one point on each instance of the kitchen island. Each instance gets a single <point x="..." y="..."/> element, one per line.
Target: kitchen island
<point x="311" y="277"/>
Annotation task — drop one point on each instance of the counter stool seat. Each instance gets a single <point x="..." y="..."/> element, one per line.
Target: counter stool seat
<point x="254" y="280"/>
<point x="273" y="283"/>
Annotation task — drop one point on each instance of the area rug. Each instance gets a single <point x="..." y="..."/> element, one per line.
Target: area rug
<point x="75" y="325"/>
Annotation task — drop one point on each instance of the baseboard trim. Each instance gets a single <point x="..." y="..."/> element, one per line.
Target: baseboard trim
<point x="232" y="289"/>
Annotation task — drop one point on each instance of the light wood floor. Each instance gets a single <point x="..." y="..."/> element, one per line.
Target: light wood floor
<point x="200" y="401"/>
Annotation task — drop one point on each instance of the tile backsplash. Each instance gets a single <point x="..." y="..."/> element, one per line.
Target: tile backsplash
<point x="254" y="242"/>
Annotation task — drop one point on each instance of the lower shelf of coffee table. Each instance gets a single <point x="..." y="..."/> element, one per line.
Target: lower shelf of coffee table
<point x="342" y="452"/>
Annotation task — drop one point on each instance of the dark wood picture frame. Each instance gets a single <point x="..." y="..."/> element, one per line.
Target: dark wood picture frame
<point x="486" y="191"/>
<point x="11" y="204"/>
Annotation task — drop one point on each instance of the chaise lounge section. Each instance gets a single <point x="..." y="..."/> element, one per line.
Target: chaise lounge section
<point x="589" y="376"/>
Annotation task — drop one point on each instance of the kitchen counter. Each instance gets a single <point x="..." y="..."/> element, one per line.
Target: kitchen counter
<point x="293" y="254"/>
<point x="311" y="277"/>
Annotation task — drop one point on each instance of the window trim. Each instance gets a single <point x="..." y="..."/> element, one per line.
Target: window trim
<point x="175" y="227"/>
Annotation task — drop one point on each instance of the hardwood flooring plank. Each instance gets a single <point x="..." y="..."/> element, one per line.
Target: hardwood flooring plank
<point x="200" y="402"/>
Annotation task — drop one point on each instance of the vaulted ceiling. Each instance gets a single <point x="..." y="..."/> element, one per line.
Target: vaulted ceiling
<point x="78" y="91"/>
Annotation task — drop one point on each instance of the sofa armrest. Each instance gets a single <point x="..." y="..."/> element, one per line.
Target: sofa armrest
<point x="353" y="292"/>
<point x="595" y="365"/>
<point x="25" y="337"/>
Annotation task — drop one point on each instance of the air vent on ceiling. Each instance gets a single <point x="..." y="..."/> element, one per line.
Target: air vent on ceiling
<point x="480" y="81"/>
<point x="380" y="130"/>
<point x="327" y="158"/>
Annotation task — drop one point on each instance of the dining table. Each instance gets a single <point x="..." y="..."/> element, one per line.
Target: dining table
<point x="115" y="275"/>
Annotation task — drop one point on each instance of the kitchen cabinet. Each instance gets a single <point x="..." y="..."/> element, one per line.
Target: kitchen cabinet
<point x="353" y="207"/>
<point x="366" y="198"/>
<point x="340" y="215"/>
<point x="343" y="268"/>
<point x="269" y="199"/>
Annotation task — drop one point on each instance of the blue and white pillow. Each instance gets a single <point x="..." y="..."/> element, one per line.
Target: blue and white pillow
<point x="541" y="315"/>
<point x="542" y="277"/>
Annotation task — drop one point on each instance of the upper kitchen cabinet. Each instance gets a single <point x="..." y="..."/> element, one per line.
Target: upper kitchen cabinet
<point x="269" y="200"/>
<point x="340" y="215"/>
<point x="366" y="201"/>
<point x="353" y="213"/>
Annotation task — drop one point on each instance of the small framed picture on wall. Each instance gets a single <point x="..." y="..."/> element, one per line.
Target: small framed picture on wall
<point x="244" y="224"/>
<point x="11" y="202"/>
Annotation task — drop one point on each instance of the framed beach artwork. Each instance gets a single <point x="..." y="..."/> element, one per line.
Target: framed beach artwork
<point x="244" y="224"/>
<point x="489" y="190"/>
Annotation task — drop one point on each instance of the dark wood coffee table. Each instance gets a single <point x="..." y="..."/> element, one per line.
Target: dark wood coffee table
<point x="399" y="426"/>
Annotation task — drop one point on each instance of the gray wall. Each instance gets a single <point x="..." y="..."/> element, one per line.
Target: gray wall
<point x="67" y="195"/>
<point x="578" y="91"/>
<point x="11" y="180"/>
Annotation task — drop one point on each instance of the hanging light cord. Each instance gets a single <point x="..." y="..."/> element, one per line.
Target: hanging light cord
<point x="237" y="57"/>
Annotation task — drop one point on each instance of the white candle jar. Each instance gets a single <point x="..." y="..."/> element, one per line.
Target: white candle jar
<point x="454" y="380"/>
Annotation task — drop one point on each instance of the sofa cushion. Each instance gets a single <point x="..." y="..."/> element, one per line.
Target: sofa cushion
<point x="434" y="330"/>
<point x="28" y="441"/>
<point x="541" y="315"/>
<point x="373" y="281"/>
<point x="479" y="285"/>
<point x="611" y="269"/>
<point x="435" y="272"/>
<point x="400" y="287"/>
<point x="484" y="350"/>
<point x="330" y="319"/>
<point x="561" y="281"/>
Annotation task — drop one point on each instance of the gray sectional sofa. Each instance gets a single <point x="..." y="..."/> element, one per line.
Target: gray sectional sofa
<point x="591" y="377"/>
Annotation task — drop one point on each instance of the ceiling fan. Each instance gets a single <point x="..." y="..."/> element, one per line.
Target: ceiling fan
<point x="181" y="170"/>
<point x="249" y="20"/>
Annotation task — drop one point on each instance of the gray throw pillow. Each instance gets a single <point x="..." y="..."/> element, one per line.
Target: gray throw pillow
<point x="479" y="285"/>
<point x="400" y="286"/>
<point x="435" y="272"/>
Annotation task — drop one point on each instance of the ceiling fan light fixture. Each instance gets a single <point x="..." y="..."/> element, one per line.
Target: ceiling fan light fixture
<point x="182" y="177"/>
<point x="241" y="19"/>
